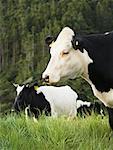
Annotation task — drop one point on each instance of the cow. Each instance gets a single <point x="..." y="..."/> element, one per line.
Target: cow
<point x="56" y="101"/>
<point x="87" y="56"/>
<point x="27" y="99"/>
<point x="85" y="108"/>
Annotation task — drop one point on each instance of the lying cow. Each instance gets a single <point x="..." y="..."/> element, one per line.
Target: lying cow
<point x="87" y="108"/>
<point x="90" y="57"/>
<point x="57" y="100"/>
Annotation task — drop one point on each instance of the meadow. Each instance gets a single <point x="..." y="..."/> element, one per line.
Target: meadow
<point x="90" y="133"/>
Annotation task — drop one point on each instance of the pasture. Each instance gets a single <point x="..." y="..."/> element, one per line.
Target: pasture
<point x="91" y="133"/>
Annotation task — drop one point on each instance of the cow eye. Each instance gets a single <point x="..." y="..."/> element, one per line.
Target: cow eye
<point x="65" y="53"/>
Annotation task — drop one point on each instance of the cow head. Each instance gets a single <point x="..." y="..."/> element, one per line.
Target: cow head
<point x="21" y="102"/>
<point x="67" y="58"/>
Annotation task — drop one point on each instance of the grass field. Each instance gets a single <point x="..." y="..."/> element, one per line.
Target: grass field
<point x="91" y="133"/>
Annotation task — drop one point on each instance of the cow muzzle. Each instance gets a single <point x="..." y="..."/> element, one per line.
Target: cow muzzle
<point x="45" y="78"/>
<point x="50" y="80"/>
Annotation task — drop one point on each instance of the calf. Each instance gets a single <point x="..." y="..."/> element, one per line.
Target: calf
<point x="86" y="56"/>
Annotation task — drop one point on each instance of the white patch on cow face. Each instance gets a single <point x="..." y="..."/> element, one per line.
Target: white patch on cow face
<point x="19" y="89"/>
<point x="66" y="62"/>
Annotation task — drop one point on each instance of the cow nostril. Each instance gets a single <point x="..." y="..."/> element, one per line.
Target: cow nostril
<point x="46" y="78"/>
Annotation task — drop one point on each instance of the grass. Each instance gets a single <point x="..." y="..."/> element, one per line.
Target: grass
<point x="91" y="133"/>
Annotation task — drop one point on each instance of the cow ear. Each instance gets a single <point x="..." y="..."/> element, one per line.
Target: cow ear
<point x="49" y="40"/>
<point x="77" y="43"/>
<point x="15" y="84"/>
<point x="36" y="88"/>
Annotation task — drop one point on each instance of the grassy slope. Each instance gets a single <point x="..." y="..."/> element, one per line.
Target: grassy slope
<point x="91" y="133"/>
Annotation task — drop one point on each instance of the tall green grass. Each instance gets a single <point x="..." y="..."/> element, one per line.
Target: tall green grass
<point x="91" y="133"/>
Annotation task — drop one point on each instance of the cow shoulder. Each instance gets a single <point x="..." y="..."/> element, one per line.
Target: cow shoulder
<point x="100" y="70"/>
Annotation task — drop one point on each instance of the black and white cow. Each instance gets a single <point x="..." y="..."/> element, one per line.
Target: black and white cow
<point x="85" y="108"/>
<point x="28" y="99"/>
<point x="89" y="56"/>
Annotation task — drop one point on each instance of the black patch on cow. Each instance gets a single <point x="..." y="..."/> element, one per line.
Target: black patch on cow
<point x="49" y="39"/>
<point x="110" y="112"/>
<point x="100" y="50"/>
<point x="102" y="81"/>
<point x="80" y="43"/>
<point x="37" y="102"/>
